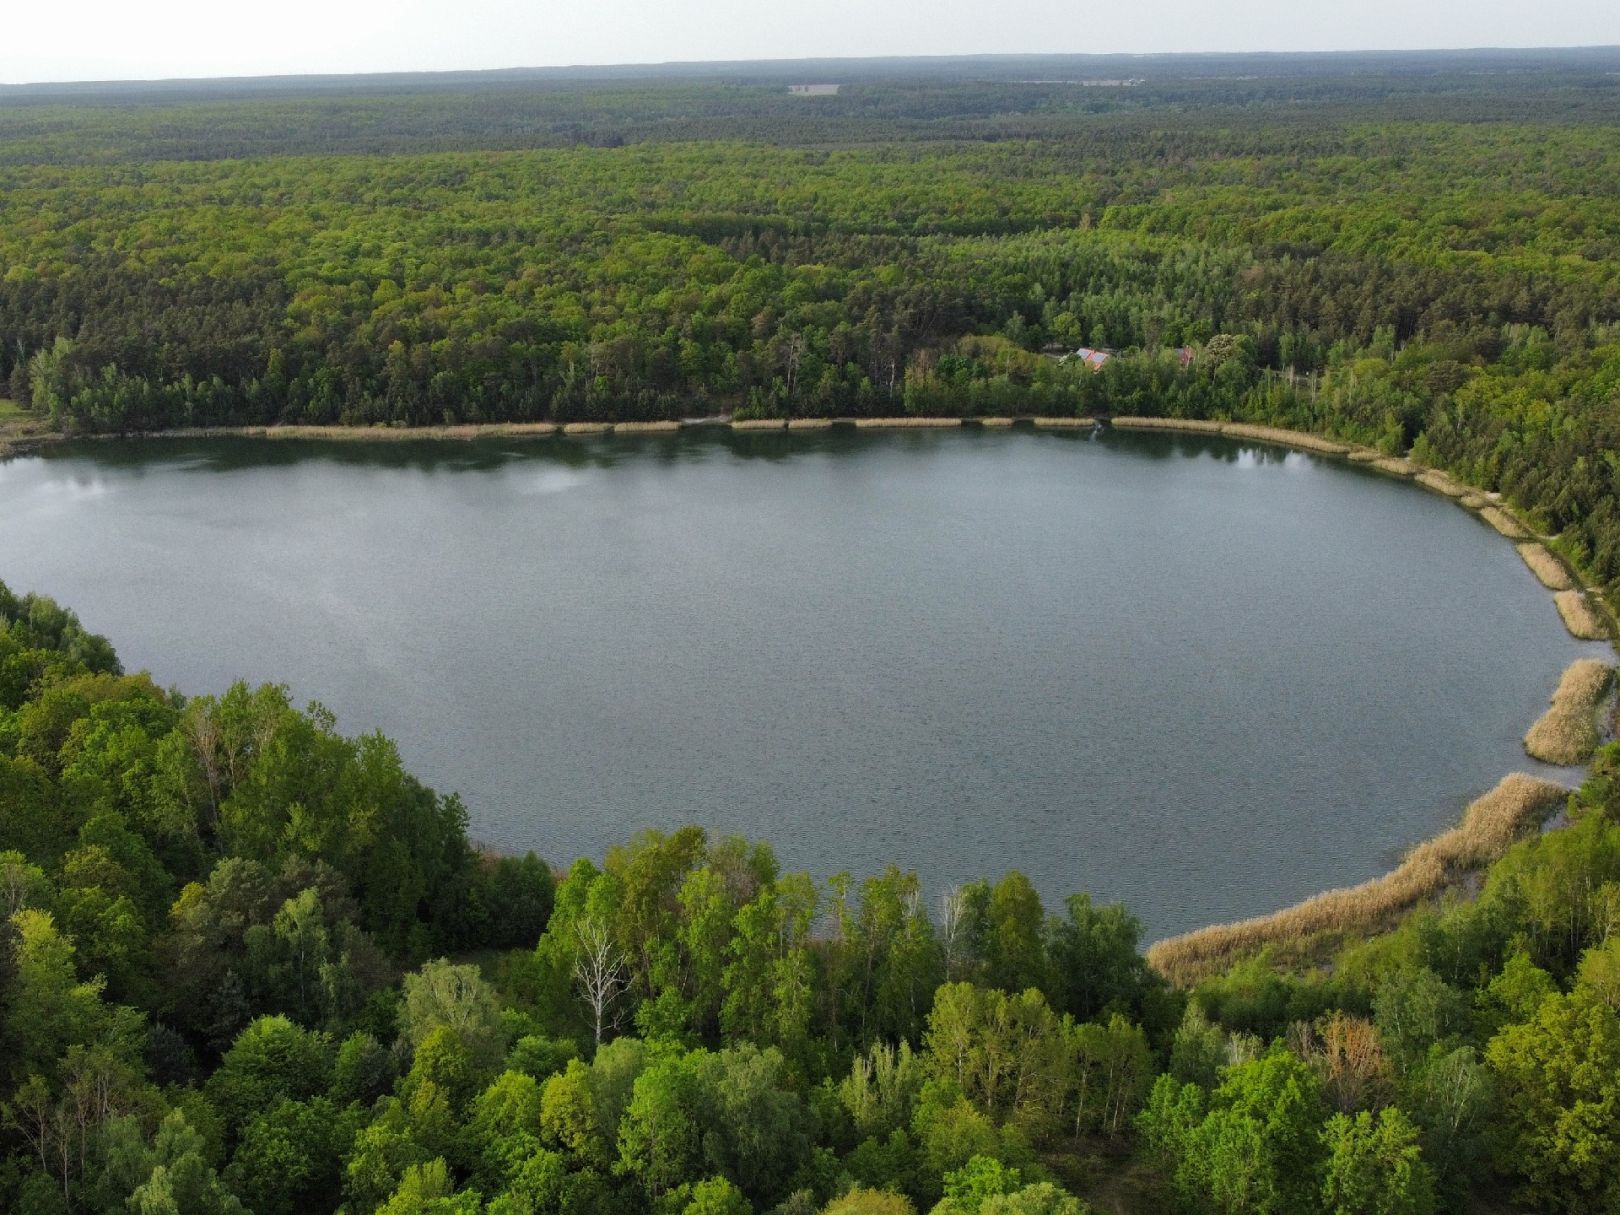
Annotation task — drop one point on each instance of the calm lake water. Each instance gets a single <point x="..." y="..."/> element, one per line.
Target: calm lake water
<point x="1202" y="677"/>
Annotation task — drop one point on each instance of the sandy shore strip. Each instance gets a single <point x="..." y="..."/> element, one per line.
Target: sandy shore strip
<point x="1548" y="569"/>
<point x="1504" y="523"/>
<point x="1580" y="617"/>
<point x="1064" y="423"/>
<point x="1489" y="826"/>
<point x="908" y="423"/>
<point x="1569" y="731"/>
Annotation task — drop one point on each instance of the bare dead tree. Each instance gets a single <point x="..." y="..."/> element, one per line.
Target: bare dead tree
<point x="599" y="971"/>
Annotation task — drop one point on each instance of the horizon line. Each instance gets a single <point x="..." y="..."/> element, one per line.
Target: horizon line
<point x="652" y="67"/>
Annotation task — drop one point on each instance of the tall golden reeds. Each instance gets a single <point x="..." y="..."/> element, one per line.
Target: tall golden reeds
<point x="1505" y="523"/>
<point x="1443" y="483"/>
<point x="1580" y="617"/>
<point x="809" y="423"/>
<point x="1288" y="438"/>
<point x="759" y="424"/>
<point x="1395" y="466"/>
<point x="1489" y="826"/>
<point x="1064" y="423"/>
<point x="1549" y="570"/>
<point x="645" y="428"/>
<point x="907" y="423"/>
<point x="1132" y="423"/>
<point x="1569" y="731"/>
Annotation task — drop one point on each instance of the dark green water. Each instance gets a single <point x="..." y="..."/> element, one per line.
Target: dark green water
<point x="1202" y="677"/>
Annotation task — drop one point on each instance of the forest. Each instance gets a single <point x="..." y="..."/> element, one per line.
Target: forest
<point x="251" y="966"/>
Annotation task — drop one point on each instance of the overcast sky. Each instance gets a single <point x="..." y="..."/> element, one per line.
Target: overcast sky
<point x="145" y="39"/>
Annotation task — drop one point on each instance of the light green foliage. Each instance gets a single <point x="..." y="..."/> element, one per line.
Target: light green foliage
<point x="443" y="996"/>
<point x="1558" y="1113"/>
<point x="1375" y="1166"/>
<point x="716" y="1196"/>
<point x="881" y="1090"/>
<point x="181" y="1182"/>
<point x="427" y="1189"/>
<point x="1252" y="1148"/>
<point x="870" y="1202"/>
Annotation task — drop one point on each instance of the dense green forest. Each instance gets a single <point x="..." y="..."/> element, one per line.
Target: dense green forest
<point x="1417" y="252"/>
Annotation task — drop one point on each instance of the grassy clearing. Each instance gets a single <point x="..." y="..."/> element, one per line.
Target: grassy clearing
<point x="1549" y="570"/>
<point x="1442" y="483"/>
<point x="908" y="423"/>
<point x="10" y="411"/>
<point x="1064" y="423"/>
<point x="1505" y="523"/>
<point x="1569" y="731"/>
<point x="1580" y="617"/>
<point x="1489" y="826"/>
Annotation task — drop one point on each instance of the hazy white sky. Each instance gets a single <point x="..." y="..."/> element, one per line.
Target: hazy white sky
<point x="126" y="39"/>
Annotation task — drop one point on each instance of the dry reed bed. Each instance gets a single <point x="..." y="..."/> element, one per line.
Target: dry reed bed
<point x="994" y="423"/>
<point x="1064" y="423"/>
<point x="1365" y="455"/>
<point x="907" y="423"/>
<point x="809" y="423"/>
<point x="1443" y="483"/>
<point x="1580" y="617"/>
<point x="1291" y="438"/>
<point x="759" y="424"/>
<point x="1569" y="731"/>
<point x="644" y="428"/>
<point x="1130" y="423"/>
<point x="1474" y="501"/>
<point x="587" y="428"/>
<point x="1489" y="826"/>
<point x="1504" y="523"/>
<point x="1549" y="570"/>
<point x="1395" y="466"/>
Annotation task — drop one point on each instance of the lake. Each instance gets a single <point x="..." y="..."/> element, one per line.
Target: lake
<point x="1204" y="677"/>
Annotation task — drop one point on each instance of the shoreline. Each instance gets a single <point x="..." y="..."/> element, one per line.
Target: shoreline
<point x="1490" y="825"/>
<point x="1429" y="869"/>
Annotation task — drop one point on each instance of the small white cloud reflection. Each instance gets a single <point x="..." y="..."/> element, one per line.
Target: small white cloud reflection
<point x="551" y="481"/>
